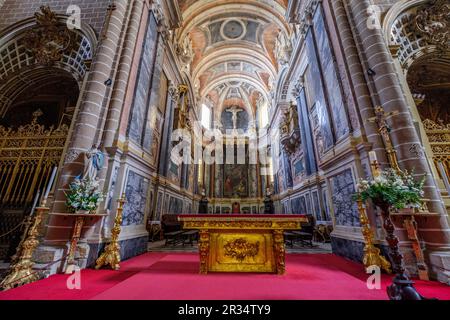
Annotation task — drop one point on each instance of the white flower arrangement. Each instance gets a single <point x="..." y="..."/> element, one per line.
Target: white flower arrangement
<point x="84" y="195"/>
<point x="399" y="190"/>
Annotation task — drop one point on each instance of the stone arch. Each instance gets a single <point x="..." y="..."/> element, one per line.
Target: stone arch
<point x="414" y="47"/>
<point x="245" y="54"/>
<point x="401" y="34"/>
<point x="42" y="68"/>
<point x="19" y="69"/>
<point x="237" y="77"/>
<point x="203" y="10"/>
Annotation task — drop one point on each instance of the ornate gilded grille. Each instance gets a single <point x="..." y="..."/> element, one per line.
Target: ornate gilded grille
<point x="27" y="157"/>
<point x="439" y="137"/>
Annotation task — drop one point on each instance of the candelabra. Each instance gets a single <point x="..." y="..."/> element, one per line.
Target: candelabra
<point x="111" y="255"/>
<point x="21" y="270"/>
<point x="372" y="256"/>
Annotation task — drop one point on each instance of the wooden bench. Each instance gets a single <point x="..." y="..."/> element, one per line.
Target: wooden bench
<point x="189" y="237"/>
<point x="290" y="238"/>
<point x="304" y="236"/>
<point x="173" y="238"/>
<point x="170" y="223"/>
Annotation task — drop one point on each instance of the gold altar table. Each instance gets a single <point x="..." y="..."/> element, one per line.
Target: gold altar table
<point x="242" y="243"/>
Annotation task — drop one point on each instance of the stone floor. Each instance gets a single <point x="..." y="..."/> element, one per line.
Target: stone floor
<point x="159" y="246"/>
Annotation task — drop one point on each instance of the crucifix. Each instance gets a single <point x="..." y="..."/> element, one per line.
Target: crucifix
<point x="111" y="7"/>
<point x="384" y="129"/>
<point x="234" y="111"/>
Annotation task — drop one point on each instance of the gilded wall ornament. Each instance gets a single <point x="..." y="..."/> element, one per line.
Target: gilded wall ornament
<point x="290" y="130"/>
<point x="48" y="40"/>
<point x="434" y="24"/>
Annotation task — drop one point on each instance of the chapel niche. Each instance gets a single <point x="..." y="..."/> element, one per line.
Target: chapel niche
<point x="429" y="81"/>
<point x="56" y="97"/>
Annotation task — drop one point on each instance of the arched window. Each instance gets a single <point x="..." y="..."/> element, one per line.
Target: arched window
<point x="206" y="116"/>
<point x="263" y="115"/>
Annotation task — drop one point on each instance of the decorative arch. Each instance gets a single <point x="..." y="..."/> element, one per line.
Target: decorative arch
<point x="417" y="32"/>
<point x="236" y="77"/>
<point x="245" y="54"/>
<point x="204" y="10"/>
<point x="400" y="31"/>
<point x="19" y="69"/>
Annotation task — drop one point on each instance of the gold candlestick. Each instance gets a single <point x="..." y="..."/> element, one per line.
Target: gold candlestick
<point x="21" y="272"/>
<point x="111" y="255"/>
<point x="372" y="255"/>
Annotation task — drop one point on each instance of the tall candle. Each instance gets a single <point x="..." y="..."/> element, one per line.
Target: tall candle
<point x="373" y="156"/>
<point x="50" y="182"/>
<point x="36" y="198"/>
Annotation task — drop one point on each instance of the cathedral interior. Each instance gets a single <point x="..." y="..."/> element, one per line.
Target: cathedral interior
<point x="224" y="108"/>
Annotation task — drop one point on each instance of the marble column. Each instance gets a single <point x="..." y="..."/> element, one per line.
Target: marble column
<point x="364" y="101"/>
<point x="92" y="107"/>
<point x="434" y="231"/>
<point x="110" y="131"/>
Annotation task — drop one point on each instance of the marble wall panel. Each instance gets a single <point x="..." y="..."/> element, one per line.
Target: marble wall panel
<point x="345" y="209"/>
<point x="136" y="199"/>
<point x="140" y="103"/>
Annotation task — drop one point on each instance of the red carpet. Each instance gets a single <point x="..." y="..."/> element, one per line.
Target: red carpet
<point x="174" y="276"/>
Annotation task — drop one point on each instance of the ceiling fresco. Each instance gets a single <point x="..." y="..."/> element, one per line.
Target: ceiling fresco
<point x="233" y="58"/>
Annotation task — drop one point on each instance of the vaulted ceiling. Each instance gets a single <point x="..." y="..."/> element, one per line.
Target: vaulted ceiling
<point x="232" y="60"/>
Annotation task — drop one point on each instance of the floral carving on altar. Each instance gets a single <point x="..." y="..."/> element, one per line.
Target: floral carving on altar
<point x="241" y="249"/>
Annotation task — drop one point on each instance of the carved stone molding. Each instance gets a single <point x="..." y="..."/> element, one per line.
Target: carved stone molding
<point x="298" y="87"/>
<point x="174" y="93"/>
<point x="49" y="39"/>
<point x="161" y="21"/>
<point x="283" y="49"/>
<point x="433" y="23"/>
<point x="185" y="53"/>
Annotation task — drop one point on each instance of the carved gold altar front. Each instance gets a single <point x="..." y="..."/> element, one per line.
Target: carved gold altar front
<point x="242" y="243"/>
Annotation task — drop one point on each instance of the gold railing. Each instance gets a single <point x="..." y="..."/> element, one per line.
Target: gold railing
<point x="439" y="137"/>
<point x="27" y="157"/>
